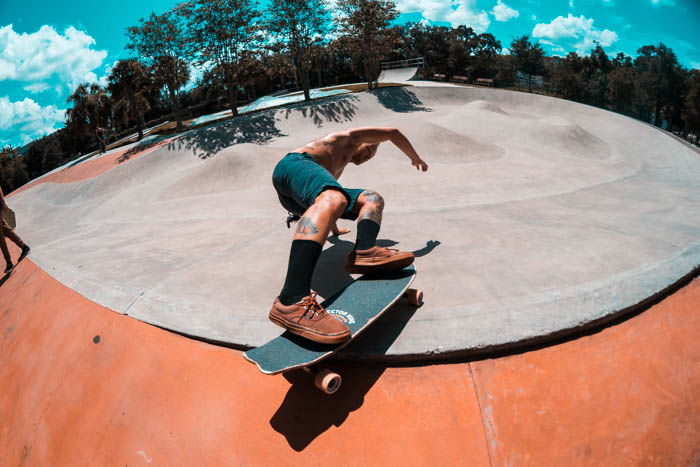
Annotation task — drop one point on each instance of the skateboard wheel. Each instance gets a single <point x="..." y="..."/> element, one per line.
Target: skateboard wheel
<point x="327" y="381"/>
<point x="415" y="297"/>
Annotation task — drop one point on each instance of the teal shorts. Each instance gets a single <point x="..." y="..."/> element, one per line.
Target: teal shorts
<point x="299" y="179"/>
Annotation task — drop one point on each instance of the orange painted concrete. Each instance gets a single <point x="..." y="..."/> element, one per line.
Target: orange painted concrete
<point x="93" y="167"/>
<point x="83" y="385"/>
<point x="143" y="394"/>
<point x="629" y="395"/>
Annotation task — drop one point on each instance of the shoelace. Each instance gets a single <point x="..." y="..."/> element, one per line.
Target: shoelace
<point x="311" y="305"/>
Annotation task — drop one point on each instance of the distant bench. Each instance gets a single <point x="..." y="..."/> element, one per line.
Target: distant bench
<point x="439" y="77"/>
<point x="483" y="82"/>
<point x="459" y="79"/>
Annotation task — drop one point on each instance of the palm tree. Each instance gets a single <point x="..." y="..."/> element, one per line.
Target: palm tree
<point x="91" y="110"/>
<point x="129" y="81"/>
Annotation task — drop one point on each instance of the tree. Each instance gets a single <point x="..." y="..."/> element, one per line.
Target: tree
<point x="129" y="81"/>
<point x="622" y="85"/>
<point x="365" y="24"/>
<point x="91" y="109"/>
<point x="13" y="171"/>
<point x="484" y="48"/>
<point x="160" y="41"/>
<point x="529" y="58"/>
<point x="691" y="109"/>
<point x="300" y="25"/>
<point x="461" y="40"/>
<point x="662" y="81"/>
<point x="220" y="33"/>
<point x="431" y="42"/>
<point x="594" y="75"/>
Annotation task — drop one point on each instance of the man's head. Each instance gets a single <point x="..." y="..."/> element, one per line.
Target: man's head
<point x="364" y="153"/>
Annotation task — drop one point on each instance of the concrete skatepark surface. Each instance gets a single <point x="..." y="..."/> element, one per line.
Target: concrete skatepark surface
<point x="83" y="385"/>
<point x="537" y="216"/>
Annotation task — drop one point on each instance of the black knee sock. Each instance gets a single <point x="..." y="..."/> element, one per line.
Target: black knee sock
<point x="302" y="261"/>
<point x="367" y="232"/>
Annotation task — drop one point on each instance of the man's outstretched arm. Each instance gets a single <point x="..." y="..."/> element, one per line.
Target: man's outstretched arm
<point x="378" y="135"/>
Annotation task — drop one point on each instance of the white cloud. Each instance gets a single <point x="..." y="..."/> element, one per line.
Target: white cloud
<point x="503" y="12"/>
<point x="579" y="29"/>
<point x="47" y="54"/>
<point x="663" y="2"/>
<point x="695" y="65"/>
<point x="36" y="88"/>
<point x="29" y="119"/>
<point x="455" y="12"/>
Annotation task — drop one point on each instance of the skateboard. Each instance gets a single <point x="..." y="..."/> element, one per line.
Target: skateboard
<point x="358" y="305"/>
<point x="10" y="218"/>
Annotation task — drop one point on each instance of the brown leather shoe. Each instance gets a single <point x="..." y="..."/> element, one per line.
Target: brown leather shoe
<point x="307" y="318"/>
<point x="378" y="259"/>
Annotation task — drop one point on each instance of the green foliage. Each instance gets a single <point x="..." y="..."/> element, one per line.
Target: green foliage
<point x="365" y="25"/>
<point x="225" y="38"/>
<point x="129" y="83"/>
<point x="161" y="43"/>
<point x="528" y="57"/>
<point x="222" y="34"/>
<point x="13" y="170"/>
<point x="299" y="26"/>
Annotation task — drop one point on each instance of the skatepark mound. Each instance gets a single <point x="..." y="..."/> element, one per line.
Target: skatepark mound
<point x="537" y="217"/>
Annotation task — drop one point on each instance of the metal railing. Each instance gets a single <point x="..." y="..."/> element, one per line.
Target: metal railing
<point x="411" y="62"/>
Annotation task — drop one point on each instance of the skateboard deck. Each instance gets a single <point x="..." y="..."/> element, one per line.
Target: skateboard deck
<point x="358" y="305"/>
<point x="10" y="218"/>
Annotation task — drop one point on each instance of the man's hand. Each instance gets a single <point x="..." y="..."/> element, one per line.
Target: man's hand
<point x="335" y="230"/>
<point x="419" y="164"/>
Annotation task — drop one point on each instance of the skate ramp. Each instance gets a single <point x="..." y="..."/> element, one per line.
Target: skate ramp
<point x="397" y="75"/>
<point x="538" y="216"/>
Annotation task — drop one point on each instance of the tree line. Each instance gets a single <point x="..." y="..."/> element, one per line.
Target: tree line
<point x="247" y="52"/>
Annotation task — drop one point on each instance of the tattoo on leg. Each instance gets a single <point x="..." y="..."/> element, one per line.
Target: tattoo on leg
<point x="372" y="197"/>
<point x="306" y="227"/>
<point x="373" y="207"/>
<point x="374" y="215"/>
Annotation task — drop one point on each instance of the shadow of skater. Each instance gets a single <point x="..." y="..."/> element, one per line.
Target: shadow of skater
<point x="330" y="274"/>
<point x="306" y="412"/>
<point x="430" y="245"/>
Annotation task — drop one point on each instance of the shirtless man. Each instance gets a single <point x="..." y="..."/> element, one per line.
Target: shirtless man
<point x="307" y="186"/>
<point x="6" y="231"/>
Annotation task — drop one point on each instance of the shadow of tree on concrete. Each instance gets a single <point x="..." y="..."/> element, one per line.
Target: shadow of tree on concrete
<point x="330" y="274"/>
<point x="400" y="99"/>
<point x="207" y="141"/>
<point x="338" y="109"/>
<point x="140" y="147"/>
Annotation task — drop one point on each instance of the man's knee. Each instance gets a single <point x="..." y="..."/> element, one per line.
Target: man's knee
<point x="372" y="197"/>
<point x="332" y="200"/>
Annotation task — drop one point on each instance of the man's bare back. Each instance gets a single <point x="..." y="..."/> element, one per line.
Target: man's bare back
<point x="335" y="151"/>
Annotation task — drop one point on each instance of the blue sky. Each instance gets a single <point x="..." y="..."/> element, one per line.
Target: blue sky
<point x="48" y="47"/>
